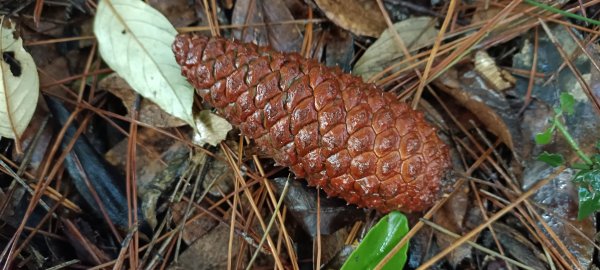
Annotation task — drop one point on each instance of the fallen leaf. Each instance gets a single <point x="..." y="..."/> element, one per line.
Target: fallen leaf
<point x="149" y="112"/>
<point x="246" y="12"/>
<point x="211" y="128"/>
<point x="339" y="48"/>
<point x="135" y="41"/>
<point x="270" y="14"/>
<point x="19" y="90"/>
<point x="301" y="202"/>
<point x="451" y="217"/>
<point x="210" y="251"/>
<point x="282" y="37"/>
<point x="219" y="176"/>
<point x="416" y="33"/>
<point x="195" y="229"/>
<point x="516" y="245"/>
<point x="361" y="17"/>
<point x="179" y="12"/>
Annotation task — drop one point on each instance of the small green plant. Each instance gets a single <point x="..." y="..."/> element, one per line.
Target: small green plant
<point x="588" y="177"/>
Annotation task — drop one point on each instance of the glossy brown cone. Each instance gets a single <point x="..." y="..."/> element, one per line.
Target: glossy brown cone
<point x="345" y="136"/>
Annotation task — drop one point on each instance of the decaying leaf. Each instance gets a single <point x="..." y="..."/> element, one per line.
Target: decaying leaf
<point x="195" y="229"/>
<point x="210" y="251"/>
<point x="247" y="12"/>
<point x="302" y="204"/>
<point x="219" y="176"/>
<point x="451" y="216"/>
<point x="498" y="78"/>
<point x="361" y="17"/>
<point x="517" y="245"/>
<point x="179" y="12"/>
<point x="282" y="37"/>
<point x="19" y="89"/>
<point x="340" y="49"/>
<point x="211" y="128"/>
<point x="269" y="15"/>
<point x="149" y="113"/>
<point x="135" y="40"/>
<point x="416" y="33"/>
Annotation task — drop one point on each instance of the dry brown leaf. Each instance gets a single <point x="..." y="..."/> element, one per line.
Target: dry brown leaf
<point x="451" y="217"/>
<point x="361" y="17"/>
<point x="282" y="37"/>
<point x="416" y="33"/>
<point x="489" y="106"/>
<point x="178" y="12"/>
<point x="210" y="251"/>
<point x="195" y="229"/>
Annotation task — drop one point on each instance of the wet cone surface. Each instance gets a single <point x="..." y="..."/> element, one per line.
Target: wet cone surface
<point x="343" y="135"/>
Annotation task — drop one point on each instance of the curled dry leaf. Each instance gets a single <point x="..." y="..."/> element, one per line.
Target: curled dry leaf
<point x="416" y="33"/>
<point x="497" y="78"/>
<point x="211" y="128"/>
<point x="149" y="112"/>
<point x="19" y="88"/>
<point x="361" y="17"/>
<point x="135" y="41"/>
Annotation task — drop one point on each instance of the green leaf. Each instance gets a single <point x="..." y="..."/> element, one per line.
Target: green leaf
<point x="589" y="192"/>
<point x="19" y="82"/>
<point x="544" y="137"/>
<point x="589" y="202"/>
<point x="596" y="159"/>
<point x="580" y="166"/>
<point x="588" y="177"/>
<point x="551" y="159"/>
<point x="567" y="103"/>
<point x="378" y="242"/>
<point x="135" y="41"/>
<point x="598" y="145"/>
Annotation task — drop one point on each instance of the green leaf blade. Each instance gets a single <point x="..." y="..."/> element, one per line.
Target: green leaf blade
<point x="589" y="202"/>
<point x="544" y="137"/>
<point x="135" y="41"/>
<point x="378" y="242"/>
<point x="551" y="159"/>
<point x="567" y="103"/>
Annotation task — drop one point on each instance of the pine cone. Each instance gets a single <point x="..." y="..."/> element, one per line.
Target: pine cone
<point x="343" y="135"/>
